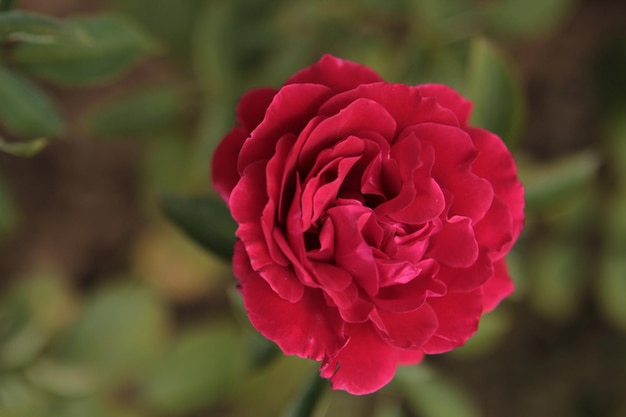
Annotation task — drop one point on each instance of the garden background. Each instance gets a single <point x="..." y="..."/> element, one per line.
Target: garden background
<point x="110" y="304"/>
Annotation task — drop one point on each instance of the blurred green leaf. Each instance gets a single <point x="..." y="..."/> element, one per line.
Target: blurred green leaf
<point x="525" y="17"/>
<point x="553" y="183"/>
<point x="20" y="399"/>
<point x="32" y="311"/>
<point x="91" y="406"/>
<point x="558" y="282"/>
<point x="429" y="395"/>
<point x="203" y="366"/>
<point x="28" y="27"/>
<point x="446" y="19"/>
<point x="171" y="22"/>
<point x="23" y="148"/>
<point x="63" y="379"/>
<point x="495" y="90"/>
<point x="8" y="214"/>
<point x="307" y="400"/>
<point x="26" y="111"/>
<point x="492" y="329"/>
<point x="144" y="112"/>
<point x="611" y="287"/>
<point x="205" y="219"/>
<point x="615" y="145"/>
<point x="122" y="330"/>
<point x="88" y="50"/>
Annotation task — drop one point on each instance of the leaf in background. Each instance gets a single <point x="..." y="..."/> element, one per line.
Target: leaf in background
<point x="23" y="148"/>
<point x="170" y="21"/>
<point x="121" y="331"/>
<point x="495" y="91"/>
<point x="307" y="400"/>
<point x="205" y="219"/>
<point x="20" y="399"/>
<point x="143" y="112"/>
<point x="429" y="395"/>
<point x="557" y="280"/>
<point x="611" y="287"/>
<point x="552" y="184"/>
<point x="36" y="308"/>
<point x="88" y="50"/>
<point x="176" y="267"/>
<point x="8" y="214"/>
<point x="201" y="369"/>
<point x="24" y="110"/>
<point x="492" y="329"/>
<point x="91" y="406"/>
<point x="28" y="27"/>
<point x="526" y="17"/>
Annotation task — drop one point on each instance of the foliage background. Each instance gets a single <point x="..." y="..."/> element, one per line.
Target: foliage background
<point x="107" y="309"/>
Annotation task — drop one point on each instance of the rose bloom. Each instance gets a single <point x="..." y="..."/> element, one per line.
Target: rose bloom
<point x="373" y="221"/>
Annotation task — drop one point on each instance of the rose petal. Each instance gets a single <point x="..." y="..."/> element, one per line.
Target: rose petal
<point x="496" y="164"/>
<point x="498" y="287"/>
<point x="290" y="110"/>
<point x="351" y="251"/>
<point x="335" y="73"/>
<point x="224" y="162"/>
<point x="252" y="106"/>
<point x="405" y="104"/>
<point x="458" y="315"/>
<point x="357" y="119"/>
<point x="307" y="328"/>
<point x="455" y="245"/>
<point x="494" y="231"/>
<point x="449" y="99"/>
<point x="407" y="330"/>
<point x="365" y="364"/>
<point x="409" y="356"/>
<point x="467" y="279"/>
<point x="455" y="152"/>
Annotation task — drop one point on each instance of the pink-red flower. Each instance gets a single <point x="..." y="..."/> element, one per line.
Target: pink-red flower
<point x="373" y="221"/>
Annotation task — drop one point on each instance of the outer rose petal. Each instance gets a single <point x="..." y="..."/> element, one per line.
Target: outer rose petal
<point x="335" y="73"/>
<point x="449" y="99"/>
<point x="498" y="287"/>
<point x="365" y="364"/>
<point x="307" y="328"/>
<point x="224" y="163"/>
<point x="458" y="315"/>
<point x="252" y="106"/>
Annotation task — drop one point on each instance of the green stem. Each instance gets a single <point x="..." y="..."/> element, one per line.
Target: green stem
<point x="6" y="5"/>
<point x="305" y="403"/>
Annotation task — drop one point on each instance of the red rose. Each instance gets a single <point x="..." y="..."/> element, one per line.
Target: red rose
<point x="373" y="221"/>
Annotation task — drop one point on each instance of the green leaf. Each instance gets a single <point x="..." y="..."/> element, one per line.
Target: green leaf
<point x="88" y="50"/>
<point x="205" y="219"/>
<point x="28" y="27"/>
<point x="8" y="214"/>
<point x="203" y="367"/>
<point x="23" y="148"/>
<point x="121" y="331"/>
<point x="19" y="399"/>
<point x="429" y="395"/>
<point x="148" y="111"/>
<point x="495" y="91"/>
<point x="557" y="280"/>
<point x="548" y="185"/>
<point x="305" y="403"/>
<point x="26" y="111"/>
<point x="611" y="288"/>
<point x="526" y="17"/>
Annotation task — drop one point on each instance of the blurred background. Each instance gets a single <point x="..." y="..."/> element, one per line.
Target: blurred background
<point x="109" y="310"/>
